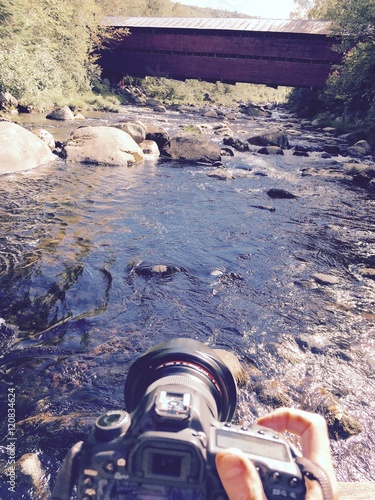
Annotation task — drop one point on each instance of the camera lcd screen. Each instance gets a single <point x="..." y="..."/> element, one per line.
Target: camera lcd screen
<point x="252" y="445"/>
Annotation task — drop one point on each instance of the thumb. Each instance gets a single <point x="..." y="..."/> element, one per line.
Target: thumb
<point x="240" y="478"/>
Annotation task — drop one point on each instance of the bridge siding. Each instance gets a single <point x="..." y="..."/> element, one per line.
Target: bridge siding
<point x="297" y="47"/>
<point x="273" y="58"/>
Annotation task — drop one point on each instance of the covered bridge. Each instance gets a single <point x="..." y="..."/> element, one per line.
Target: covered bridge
<point x="296" y="53"/>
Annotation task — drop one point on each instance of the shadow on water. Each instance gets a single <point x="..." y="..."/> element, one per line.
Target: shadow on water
<point x="78" y="301"/>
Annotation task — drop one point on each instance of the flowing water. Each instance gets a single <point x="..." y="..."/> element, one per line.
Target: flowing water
<point x="76" y="310"/>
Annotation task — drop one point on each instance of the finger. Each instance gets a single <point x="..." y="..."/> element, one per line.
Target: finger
<point x="240" y="478"/>
<point x="312" y="429"/>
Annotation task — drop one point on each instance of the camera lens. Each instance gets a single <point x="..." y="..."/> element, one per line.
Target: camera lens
<point x="195" y="361"/>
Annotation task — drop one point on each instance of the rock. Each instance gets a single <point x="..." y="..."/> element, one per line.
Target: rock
<point x="211" y="113"/>
<point x="226" y="152"/>
<point x="21" y="150"/>
<point x="45" y="430"/>
<point x="329" y="130"/>
<point x="270" y="150"/>
<point x="157" y="270"/>
<point x="360" y="168"/>
<point x="252" y="109"/>
<point x="272" y="393"/>
<point x="45" y="136"/>
<point x="340" y="424"/>
<point x="356" y="151"/>
<point x="63" y="113"/>
<point x="7" y="102"/>
<point x="193" y="148"/>
<point x="79" y="116"/>
<point x="367" y="272"/>
<point x="300" y="153"/>
<point x="363" y="145"/>
<point x="223" y="130"/>
<point x="158" y="134"/>
<point x="332" y="149"/>
<point x="311" y="343"/>
<point x="280" y="194"/>
<point x="275" y="137"/>
<point x="137" y="131"/>
<point x="193" y="129"/>
<point x="234" y="365"/>
<point x="325" y="279"/>
<point x="31" y="476"/>
<point x="160" y="109"/>
<point x="150" y="148"/>
<point x="153" y="102"/>
<point x="264" y="207"/>
<point x="221" y="173"/>
<point x="102" y="146"/>
<point x="301" y="148"/>
<point x="236" y="144"/>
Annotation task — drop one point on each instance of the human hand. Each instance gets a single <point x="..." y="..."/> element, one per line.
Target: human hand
<point x="239" y="476"/>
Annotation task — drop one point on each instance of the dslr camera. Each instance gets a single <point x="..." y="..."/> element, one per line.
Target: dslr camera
<point x="180" y="398"/>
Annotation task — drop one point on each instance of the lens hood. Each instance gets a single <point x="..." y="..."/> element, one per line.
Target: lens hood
<point x="188" y="356"/>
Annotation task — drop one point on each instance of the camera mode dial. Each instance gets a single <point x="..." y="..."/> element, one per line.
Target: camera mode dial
<point x="112" y="425"/>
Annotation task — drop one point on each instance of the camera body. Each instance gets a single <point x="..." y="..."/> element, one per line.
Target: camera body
<point x="180" y="399"/>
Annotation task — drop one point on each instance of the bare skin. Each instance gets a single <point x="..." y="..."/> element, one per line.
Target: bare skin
<point x="239" y="476"/>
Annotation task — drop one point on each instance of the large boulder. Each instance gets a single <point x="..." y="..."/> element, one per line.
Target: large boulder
<point x="136" y="130"/>
<point x="21" y="150"/>
<point x="193" y="148"/>
<point x="274" y="137"/>
<point x="102" y="146"/>
<point x="63" y="113"/>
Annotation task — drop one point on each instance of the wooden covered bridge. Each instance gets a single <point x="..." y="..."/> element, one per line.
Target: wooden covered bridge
<point x="295" y="53"/>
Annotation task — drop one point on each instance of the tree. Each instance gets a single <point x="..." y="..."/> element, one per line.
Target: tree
<point x="45" y="47"/>
<point x="351" y="87"/>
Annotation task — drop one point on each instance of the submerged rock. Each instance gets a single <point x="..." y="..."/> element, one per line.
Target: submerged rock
<point x="273" y="393"/>
<point x="276" y="193"/>
<point x="325" y="279"/>
<point x="271" y="150"/>
<point x="157" y="270"/>
<point x="234" y="365"/>
<point x="222" y="174"/>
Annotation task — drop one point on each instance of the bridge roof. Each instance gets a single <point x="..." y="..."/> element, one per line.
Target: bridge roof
<point x="222" y="23"/>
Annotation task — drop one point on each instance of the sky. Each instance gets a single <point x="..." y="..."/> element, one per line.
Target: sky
<point x="265" y="9"/>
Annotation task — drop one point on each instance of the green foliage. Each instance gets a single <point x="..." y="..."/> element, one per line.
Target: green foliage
<point x="196" y="92"/>
<point x="45" y="48"/>
<point x="305" y="103"/>
<point x="350" y="90"/>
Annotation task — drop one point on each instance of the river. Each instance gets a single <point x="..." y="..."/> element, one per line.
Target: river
<point x="75" y="311"/>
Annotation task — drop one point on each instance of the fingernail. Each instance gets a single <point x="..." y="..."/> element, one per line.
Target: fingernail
<point x="230" y="466"/>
